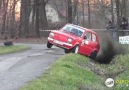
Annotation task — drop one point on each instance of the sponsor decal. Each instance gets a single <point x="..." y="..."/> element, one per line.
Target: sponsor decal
<point x="109" y="82"/>
<point x="124" y="40"/>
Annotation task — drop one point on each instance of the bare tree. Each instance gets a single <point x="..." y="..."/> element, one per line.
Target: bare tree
<point x="83" y="11"/>
<point x="43" y="17"/>
<point x="69" y="3"/>
<point x="124" y="8"/>
<point x="42" y="21"/>
<point x="5" y="5"/>
<point x="89" y="17"/>
<point x="0" y="3"/>
<point x="33" y="14"/>
<point x="37" y="18"/>
<point x="12" y="19"/>
<point x="118" y="13"/>
<point x="66" y="10"/>
<point x="75" y="8"/>
<point x="112" y="11"/>
<point x="36" y="8"/>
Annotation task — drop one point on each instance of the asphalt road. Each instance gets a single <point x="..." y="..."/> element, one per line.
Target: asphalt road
<point x="18" y="69"/>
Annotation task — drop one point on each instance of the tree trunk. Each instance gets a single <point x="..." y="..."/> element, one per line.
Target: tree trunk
<point x="37" y="18"/>
<point x="75" y="6"/>
<point x="66" y="11"/>
<point x="0" y="4"/>
<point x="118" y="13"/>
<point x="83" y="7"/>
<point x="5" y="4"/>
<point x="69" y="11"/>
<point x="12" y="20"/>
<point x="112" y="11"/>
<point x="89" y="20"/>
<point x="42" y="14"/>
<point x="33" y="18"/>
<point x="24" y="18"/>
<point x="124" y="8"/>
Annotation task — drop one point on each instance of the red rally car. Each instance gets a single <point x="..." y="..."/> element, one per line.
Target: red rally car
<point x="75" y="39"/>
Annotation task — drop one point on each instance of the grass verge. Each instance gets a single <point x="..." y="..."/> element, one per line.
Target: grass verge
<point x="12" y="49"/>
<point x="76" y="72"/>
<point x="118" y="69"/>
<point x="122" y="80"/>
<point x="68" y="73"/>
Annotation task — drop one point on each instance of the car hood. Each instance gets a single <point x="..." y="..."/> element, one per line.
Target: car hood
<point x="65" y="34"/>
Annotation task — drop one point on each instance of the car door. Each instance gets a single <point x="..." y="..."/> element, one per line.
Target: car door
<point x="94" y="42"/>
<point x="86" y="47"/>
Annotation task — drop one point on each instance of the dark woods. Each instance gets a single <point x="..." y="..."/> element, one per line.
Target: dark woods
<point x="25" y="18"/>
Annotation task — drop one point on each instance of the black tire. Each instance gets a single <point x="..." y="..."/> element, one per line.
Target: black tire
<point x="8" y="43"/>
<point x="67" y="50"/>
<point x="49" y="45"/>
<point x="75" y="49"/>
<point x="93" y="55"/>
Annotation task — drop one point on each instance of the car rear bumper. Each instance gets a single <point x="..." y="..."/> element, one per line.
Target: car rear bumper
<point x="60" y="43"/>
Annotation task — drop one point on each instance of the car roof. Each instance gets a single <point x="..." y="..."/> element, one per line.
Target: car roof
<point x="82" y="28"/>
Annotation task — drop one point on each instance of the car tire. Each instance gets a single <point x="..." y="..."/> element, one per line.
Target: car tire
<point x="49" y="45"/>
<point x="93" y="55"/>
<point x="8" y="43"/>
<point x="67" y="51"/>
<point x="75" y="49"/>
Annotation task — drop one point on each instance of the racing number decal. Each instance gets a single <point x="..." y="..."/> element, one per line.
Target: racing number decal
<point x="84" y="42"/>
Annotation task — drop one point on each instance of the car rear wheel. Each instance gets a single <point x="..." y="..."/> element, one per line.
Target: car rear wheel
<point x="75" y="49"/>
<point x="93" y="55"/>
<point x="49" y="45"/>
<point x="67" y="50"/>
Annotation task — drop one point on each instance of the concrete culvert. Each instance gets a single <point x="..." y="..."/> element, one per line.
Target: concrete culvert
<point x="109" y="49"/>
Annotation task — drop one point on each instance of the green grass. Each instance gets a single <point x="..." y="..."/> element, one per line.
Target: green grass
<point x="76" y="72"/>
<point x="118" y="69"/>
<point x="124" y="61"/>
<point x="123" y="81"/>
<point x="12" y="49"/>
<point x="67" y="74"/>
<point x="119" y="63"/>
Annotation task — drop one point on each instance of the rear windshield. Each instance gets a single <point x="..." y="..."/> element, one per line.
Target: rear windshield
<point x="73" y="30"/>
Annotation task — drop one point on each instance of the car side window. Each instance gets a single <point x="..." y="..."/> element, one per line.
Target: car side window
<point x="88" y="35"/>
<point x="94" y="38"/>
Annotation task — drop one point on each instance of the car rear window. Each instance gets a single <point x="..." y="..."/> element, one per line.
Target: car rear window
<point x="73" y="30"/>
<point x="93" y="37"/>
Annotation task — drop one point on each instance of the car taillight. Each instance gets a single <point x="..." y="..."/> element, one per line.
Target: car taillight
<point x="51" y="35"/>
<point x="69" y="40"/>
